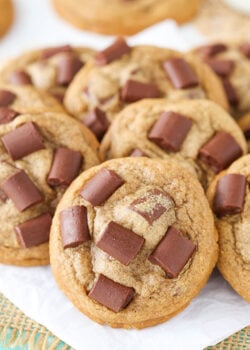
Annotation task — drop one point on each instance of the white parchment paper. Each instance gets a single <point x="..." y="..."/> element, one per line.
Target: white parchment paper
<point x="215" y="314"/>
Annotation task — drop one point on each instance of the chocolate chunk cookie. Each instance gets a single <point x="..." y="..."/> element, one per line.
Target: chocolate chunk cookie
<point x="6" y="15"/>
<point x="121" y="17"/>
<point x="39" y="157"/>
<point x="198" y="133"/>
<point x="50" y="69"/>
<point x="121" y="74"/>
<point x="244" y="123"/>
<point x="230" y="200"/>
<point x="16" y="100"/>
<point x="231" y="62"/>
<point x="133" y="241"/>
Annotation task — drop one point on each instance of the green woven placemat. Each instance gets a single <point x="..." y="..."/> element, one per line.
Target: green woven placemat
<point x="19" y="332"/>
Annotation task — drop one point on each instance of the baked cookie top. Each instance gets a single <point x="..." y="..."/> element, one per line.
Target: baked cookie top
<point x="50" y="69"/>
<point x="123" y="17"/>
<point x="133" y="241"/>
<point x="121" y="74"/>
<point x="16" y="100"/>
<point x="39" y="157"/>
<point x="231" y="62"/>
<point x="229" y="197"/>
<point x="198" y="133"/>
<point x="6" y="15"/>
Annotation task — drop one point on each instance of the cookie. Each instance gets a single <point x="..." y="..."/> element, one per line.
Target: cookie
<point x="6" y="15"/>
<point x="231" y="62"/>
<point x="39" y="157"/>
<point x="244" y="123"/>
<point x="123" y="17"/>
<point x="133" y="241"/>
<point x="50" y="69"/>
<point x="197" y="133"/>
<point x="230" y="199"/>
<point x="121" y="75"/>
<point x="16" y="100"/>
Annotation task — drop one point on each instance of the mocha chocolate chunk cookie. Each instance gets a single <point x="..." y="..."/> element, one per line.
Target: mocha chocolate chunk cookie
<point x="40" y="155"/>
<point x="133" y="241"/>
<point x="6" y="15"/>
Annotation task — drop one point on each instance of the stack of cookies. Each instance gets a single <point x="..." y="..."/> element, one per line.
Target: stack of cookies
<point x="124" y="170"/>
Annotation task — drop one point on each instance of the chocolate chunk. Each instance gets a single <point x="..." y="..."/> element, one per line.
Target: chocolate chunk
<point x="230" y="92"/>
<point x="52" y="51"/>
<point x="211" y="50"/>
<point x="101" y="186"/>
<point x="138" y="153"/>
<point x="22" y="141"/>
<point x="97" y="122"/>
<point x="35" y="231"/>
<point x="6" y="98"/>
<point x="21" y="190"/>
<point x="180" y="73"/>
<point x="113" y="52"/>
<point x="67" y="68"/>
<point x="173" y="252"/>
<point x="247" y="132"/>
<point x="230" y="194"/>
<point x="74" y="226"/>
<point x="65" y="167"/>
<point x="221" y="67"/>
<point x="153" y="205"/>
<point x="111" y="294"/>
<point x="135" y="90"/>
<point x="20" y="78"/>
<point x="7" y="115"/>
<point x="220" y="151"/>
<point x="170" y="130"/>
<point x="120" y="243"/>
<point x="245" y="49"/>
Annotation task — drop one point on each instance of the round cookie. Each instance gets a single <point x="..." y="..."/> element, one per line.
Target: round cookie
<point x="119" y="17"/>
<point x="6" y="15"/>
<point x="244" y="123"/>
<point x="50" y="69"/>
<point x="133" y="241"/>
<point x="229" y="197"/>
<point x="15" y="100"/>
<point x="121" y="74"/>
<point x="39" y="157"/>
<point x="197" y="133"/>
<point x="231" y="62"/>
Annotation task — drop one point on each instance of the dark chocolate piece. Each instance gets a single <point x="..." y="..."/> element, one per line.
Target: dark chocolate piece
<point x="52" y="51"/>
<point x="247" y="132"/>
<point x="67" y="68"/>
<point x="230" y="92"/>
<point x="7" y="115"/>
<point x="180" y="73"/>
<point x="135" y="90"/>
<point x="230" y="194"/>
<point x="173" y="252"/>
<point x="101" y="186"/>
<point x="21" y="190"/>
<point x="138" y="153"/>
<point x="111" y="294"/>
<point x="221" y="67"/>
<point x="97" y="122"/>
<point x="34" y="231"/>
<point x="245" y="49"/>
<point x="120" y="243"/>
<point x="113" y="52"/>
<point x="170" y="130"/>
<point x="22" y="141"/>
<point x="6" y="98"/>
<point x="74" y="226"/>
<point x="65" y="167"/>
<point x="152" y="205"/>
<point x="220" y="151"/>
<point x="207" y="51"/>
<point x="20" y="78"/>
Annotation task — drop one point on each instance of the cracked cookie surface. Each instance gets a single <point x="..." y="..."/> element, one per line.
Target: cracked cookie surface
<point x="149" y="198"/>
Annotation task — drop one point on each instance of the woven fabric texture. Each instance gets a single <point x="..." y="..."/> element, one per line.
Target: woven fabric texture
<point x="19" y="332"/>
